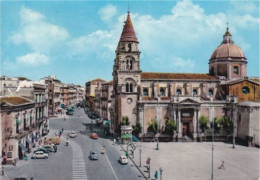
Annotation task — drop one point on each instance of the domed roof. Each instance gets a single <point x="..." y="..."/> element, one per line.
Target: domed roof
<point x="227" y="48"/>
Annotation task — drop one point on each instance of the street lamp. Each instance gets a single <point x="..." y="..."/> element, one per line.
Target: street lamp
<point x="212" y="160"/>
<point x="157" y="135"/>
<point x="140" y="151"/>
<point x="161" y="170"/>
<point x="234" y="123"/>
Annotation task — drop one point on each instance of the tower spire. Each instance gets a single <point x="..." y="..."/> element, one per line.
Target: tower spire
<point x="128" y="33"/>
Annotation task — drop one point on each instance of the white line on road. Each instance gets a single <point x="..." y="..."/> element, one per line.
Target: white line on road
<point x="111" y="167"/>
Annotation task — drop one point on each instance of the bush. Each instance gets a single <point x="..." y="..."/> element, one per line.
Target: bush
<point x="170" y="126"/>
<point x="153" y="126"/>
<point x="204" y="120"/>
<point x="125" y="121"/>
<point x="137" y="129"/>
<point x="223" y="123"/>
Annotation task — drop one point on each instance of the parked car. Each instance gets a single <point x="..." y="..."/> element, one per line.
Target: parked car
<point x="40" y="155"/>
<point x="50" y="147"/>
<point x="93" y="136"/>
<point x="43" y="150"/>
<point x="123" y="159"/>
<point x="73" y="135"/>
<point x="54" y="140"/>
<point x="93" y="155"/>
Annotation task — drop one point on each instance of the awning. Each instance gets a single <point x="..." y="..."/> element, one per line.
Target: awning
<point x="30" y="143"/>
<point x="23" y="147"/>
<point x="126" y="136"/>
<point x="34" y="137"/>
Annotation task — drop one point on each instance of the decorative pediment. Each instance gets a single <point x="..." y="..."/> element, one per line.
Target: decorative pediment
<point x="189" y="101"/>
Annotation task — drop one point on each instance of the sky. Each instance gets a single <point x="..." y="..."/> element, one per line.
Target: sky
<point x="76" y="40"/>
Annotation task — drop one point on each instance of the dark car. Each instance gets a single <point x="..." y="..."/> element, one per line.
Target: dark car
<point x="43" y="150"/>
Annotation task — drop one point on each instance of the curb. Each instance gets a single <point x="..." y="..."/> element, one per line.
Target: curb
<point x="135" y="163"/>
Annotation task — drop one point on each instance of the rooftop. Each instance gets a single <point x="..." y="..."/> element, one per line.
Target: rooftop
<point x="14" y="100"/>
<point x="151" y="75"/>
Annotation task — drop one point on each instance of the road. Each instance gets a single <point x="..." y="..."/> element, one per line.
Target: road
<point x="72" y="162"/>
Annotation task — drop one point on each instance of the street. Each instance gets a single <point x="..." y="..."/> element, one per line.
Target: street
<point x="72" y="162"/>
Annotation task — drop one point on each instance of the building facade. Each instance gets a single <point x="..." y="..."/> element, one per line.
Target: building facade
<point x="183" y="97"/>
<point x="19" y="130"/>
<point x="90" y="87"/>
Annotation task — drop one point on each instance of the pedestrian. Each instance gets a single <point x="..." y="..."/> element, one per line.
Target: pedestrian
<point x="61" y="129"/>
<point x="3" y="171"/>
<point x="114" y="141"/>
<point x="126" y="154"/>
<point x="222" y="165"/>
<point x="156" y="175"/>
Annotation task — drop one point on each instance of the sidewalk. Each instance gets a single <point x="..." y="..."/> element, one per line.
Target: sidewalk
<point x="184" y="161"/>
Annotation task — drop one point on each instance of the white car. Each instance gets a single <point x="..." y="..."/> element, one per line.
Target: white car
<point x="73" y="134"/>
<point x="123" y="159"/>
<point x="40" y="155"/>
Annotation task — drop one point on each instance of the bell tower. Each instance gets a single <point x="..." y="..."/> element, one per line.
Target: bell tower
<point x="126" y="75"/>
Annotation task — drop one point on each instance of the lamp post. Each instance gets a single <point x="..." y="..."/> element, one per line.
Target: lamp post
<point x="157" y="143"/>
<point x="140" y="153"/>
<point x="234" y="123"/>
<point x="161" y="170"/>
<point x="212" y="159"/>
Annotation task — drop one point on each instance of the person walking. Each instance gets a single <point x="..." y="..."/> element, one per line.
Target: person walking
<point x="222" y="165"/>
<point x="126" y="154"/>
<point x="156" y="175"/>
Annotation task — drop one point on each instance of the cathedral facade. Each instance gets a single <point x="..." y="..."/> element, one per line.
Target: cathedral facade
<point x="183" y="97"/>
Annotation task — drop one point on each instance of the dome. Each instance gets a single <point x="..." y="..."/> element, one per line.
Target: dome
<point x="227" y="49"/>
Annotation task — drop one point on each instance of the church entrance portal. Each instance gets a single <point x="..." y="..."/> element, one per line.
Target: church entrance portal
<point x="186" y="129"/>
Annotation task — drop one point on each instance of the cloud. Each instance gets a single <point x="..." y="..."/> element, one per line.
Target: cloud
<point x="108" y="12"/>
<point x="39" y="35"/>
<point x="100" y="44"/>
<point x="33" y="59"/>
<point x="177" y="39"/>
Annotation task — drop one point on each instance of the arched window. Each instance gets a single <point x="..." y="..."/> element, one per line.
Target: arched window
<point x="235" y="70"/>
<point x="212" y="71"/>
<point x="178" y="91"/>
<point x="129" y="84"/>
<point x="162" y="92"/>
<point x="245" y="90"/>
<point x="145" y="92"/>
<point x="129" y="63"/>
<point x="210" y="92"/>
<point x="129" y="48"/>
<point x="195" y="92"/>
<point x="127" y="87"/>
<point x="131" y="87"/>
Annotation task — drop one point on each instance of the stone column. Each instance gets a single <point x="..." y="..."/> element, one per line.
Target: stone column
<point x="195" y="124"/>
<point x="174" y="115"/>
<point x="171" y="93"/>
<point x="179" y="124"/>
<point x="155" y="90"/>
<point x="141" y="116"/>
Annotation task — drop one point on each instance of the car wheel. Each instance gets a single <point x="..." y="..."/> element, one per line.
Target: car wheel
<point x="45" y="157"/>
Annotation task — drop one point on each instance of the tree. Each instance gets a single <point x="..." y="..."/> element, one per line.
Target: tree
<point x="153" y="126"/>
<point x="170" y="126"/>
<point x="225" y="123"/>
<point x="125" y="121"/>
<point x="137" y="129"/>
<point x="204" y="120"/>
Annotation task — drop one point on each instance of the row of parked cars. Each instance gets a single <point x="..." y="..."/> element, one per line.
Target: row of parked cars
<point x="50" y="146"/>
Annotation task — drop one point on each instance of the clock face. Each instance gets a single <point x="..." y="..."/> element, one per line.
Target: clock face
<point x="129" y="100"/>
